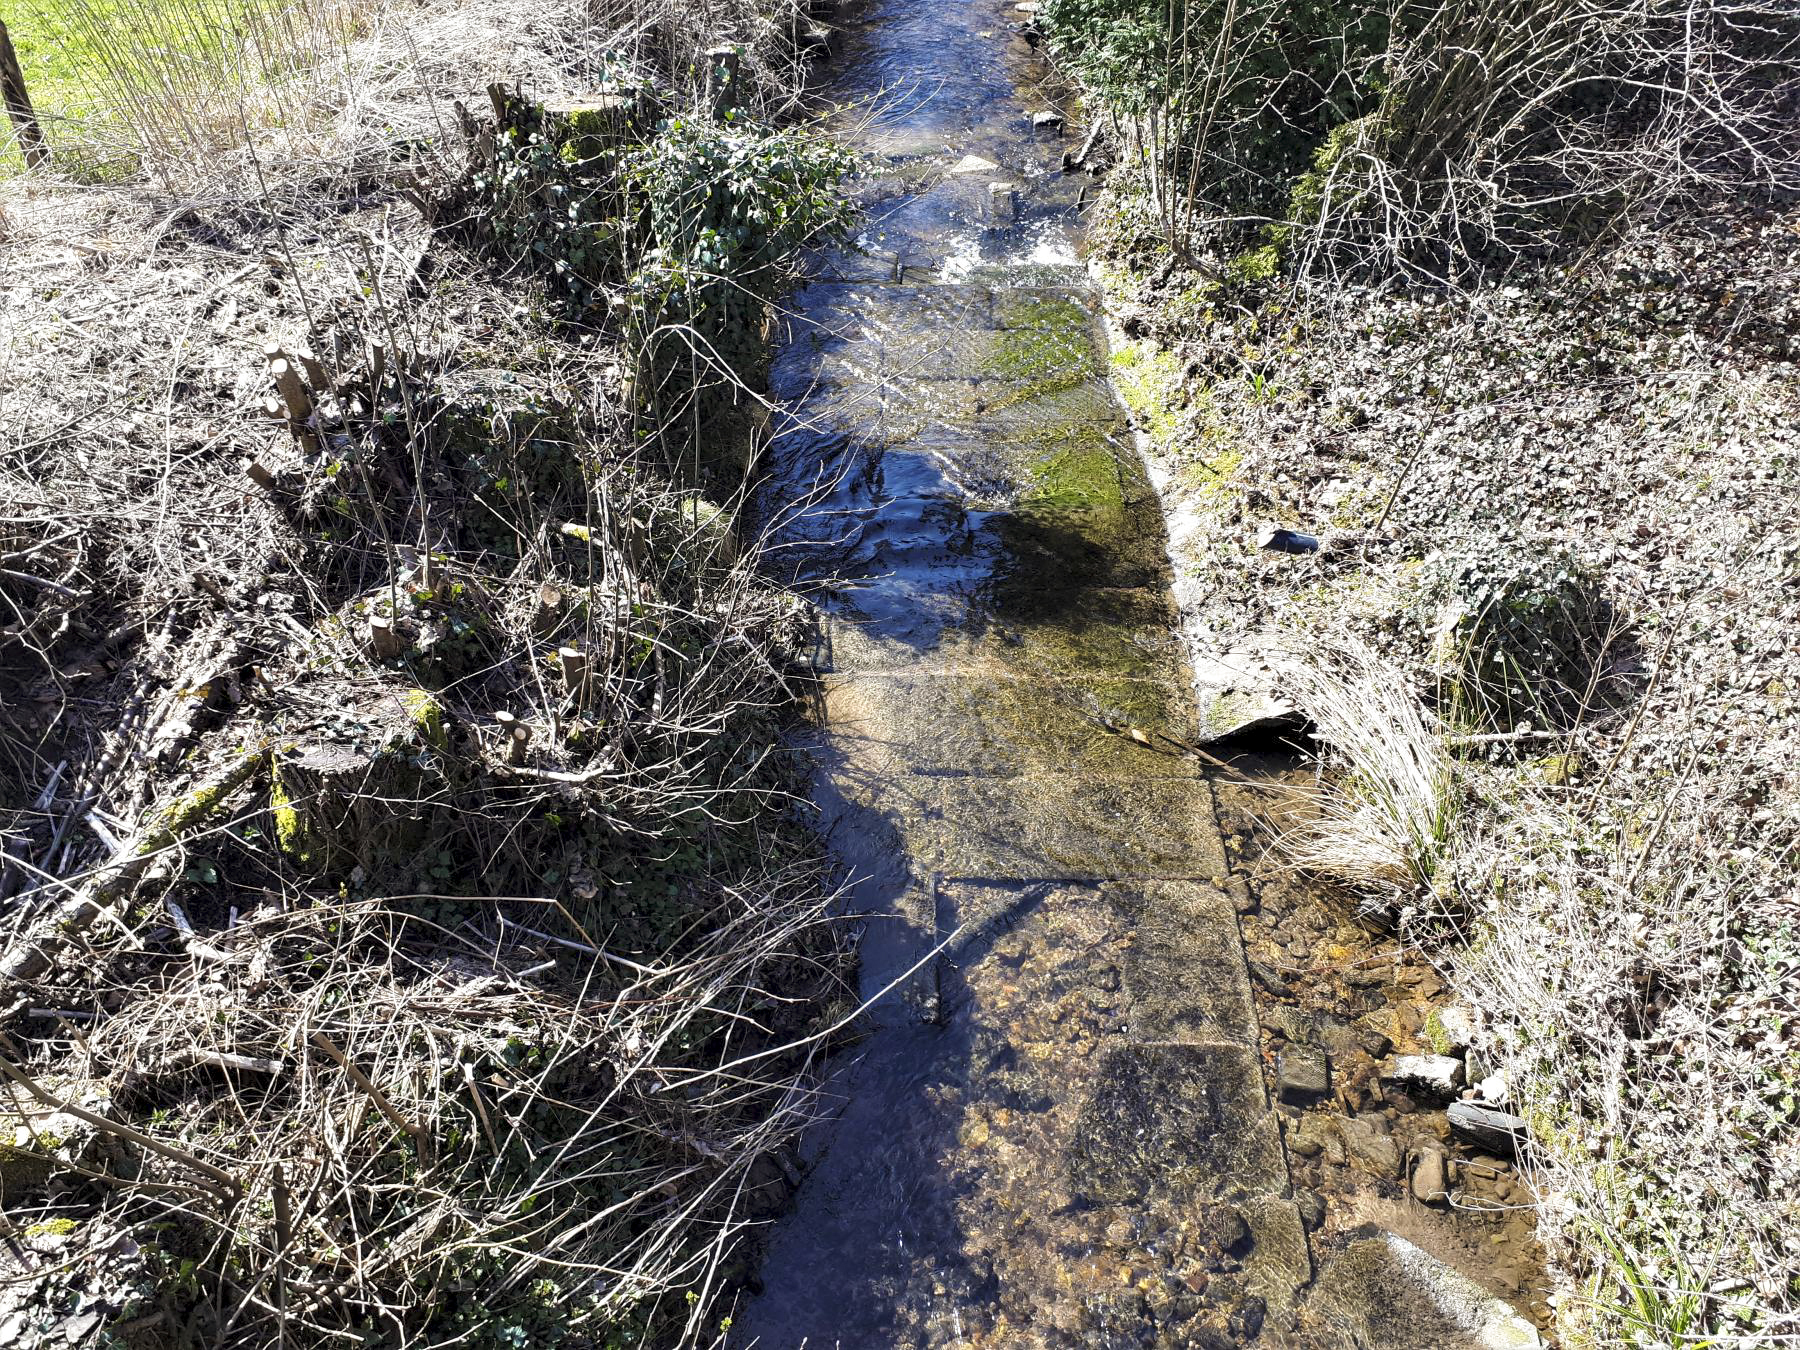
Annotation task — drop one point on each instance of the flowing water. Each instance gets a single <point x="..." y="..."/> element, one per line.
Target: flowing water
<point x="1057" y="1132"/>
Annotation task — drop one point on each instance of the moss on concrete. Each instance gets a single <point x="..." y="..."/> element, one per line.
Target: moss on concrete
<point x="1076" y="475"/>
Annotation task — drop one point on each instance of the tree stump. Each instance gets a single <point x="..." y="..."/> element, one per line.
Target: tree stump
<point x="362" y="797"/>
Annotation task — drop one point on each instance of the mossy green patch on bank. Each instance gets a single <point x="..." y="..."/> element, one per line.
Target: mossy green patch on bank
<point x="107" y="61"/>
<point x="65" y="49"/>
<point x="1147" y="377"/>
<point x="290" y="835"/>
<point x="427" y="717"/>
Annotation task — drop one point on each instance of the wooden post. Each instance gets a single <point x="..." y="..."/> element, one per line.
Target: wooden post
<point x="386" y="640"/>
<point x="722" y="65"/>
<point x="574" y="665"/>
<point x="18" y="105"/>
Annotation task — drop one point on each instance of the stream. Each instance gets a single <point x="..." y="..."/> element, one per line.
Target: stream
<point x="1057" y="1132"/>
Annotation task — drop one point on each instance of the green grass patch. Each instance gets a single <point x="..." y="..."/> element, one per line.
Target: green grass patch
<point x="104" y="61"/>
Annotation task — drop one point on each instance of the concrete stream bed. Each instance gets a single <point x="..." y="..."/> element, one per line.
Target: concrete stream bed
<point x="1059" y="1131"/>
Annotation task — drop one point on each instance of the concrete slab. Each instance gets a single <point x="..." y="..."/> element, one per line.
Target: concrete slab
<point x="1186" y="971"/>
<point x="999" y="725"/>
<point x="1011" y="624"/>
<point x="1054" y="826"/>
<point x="1191" y="1119"/>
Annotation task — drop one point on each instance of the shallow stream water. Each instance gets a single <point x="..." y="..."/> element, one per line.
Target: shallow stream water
<point x="1057" y="1132"/>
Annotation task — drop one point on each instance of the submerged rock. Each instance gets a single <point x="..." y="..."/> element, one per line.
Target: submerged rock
<point x="1370" y="1147"/>
<point x="1302" y="1074"/>
<point x="973" y="164"/>
<point x="1429" y="1180"/>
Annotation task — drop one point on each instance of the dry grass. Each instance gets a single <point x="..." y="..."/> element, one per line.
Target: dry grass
<point x="1386" y="809"/>
<point x="469" y="1046"/>
<point x="1643" y="989"/>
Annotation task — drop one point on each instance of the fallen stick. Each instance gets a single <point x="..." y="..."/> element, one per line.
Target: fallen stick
<point x="226" y="1181"/>
<point x="363" y="1081"/>
<point x="112" y="883"/>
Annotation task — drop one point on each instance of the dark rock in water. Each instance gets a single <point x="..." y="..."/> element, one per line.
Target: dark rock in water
<point x="1302" y="1074"/>
<point x="1225" y="1229"/>
<point x="1277" y="540"/>
<point x="1268" y="979"/>
<point x="1247" y="1319"/>
<point x="1497" y="1130"/>
<point x="1290" y="1023"/>
<point x="1047" y="120"/>
<point x="1311" y="1206"/>
<point x="1373" y="1039"/>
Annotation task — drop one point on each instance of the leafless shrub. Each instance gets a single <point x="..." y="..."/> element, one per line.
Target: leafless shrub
<point x="521" y="647"/>
<point x="1434" y="139"/>
<point x="1502" y="130"/>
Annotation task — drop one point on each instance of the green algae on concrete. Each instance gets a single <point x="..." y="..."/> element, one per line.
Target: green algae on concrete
<point x="1044" y="344"/>
<point x="1079" y="468"/>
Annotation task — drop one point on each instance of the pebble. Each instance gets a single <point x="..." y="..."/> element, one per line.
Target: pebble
<point x="1429" y="1183"/>
<point x="1312" y="1208"/>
